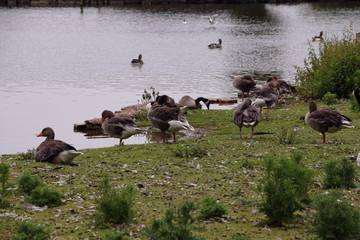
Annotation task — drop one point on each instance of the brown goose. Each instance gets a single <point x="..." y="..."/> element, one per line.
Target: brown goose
<point x="118" y="127"/>
<point x="246" y="115"/>
<point x="138" y="60"/>
<point x="190" y="103"/>
<point x="265" y="96"/>
<point x="167" y="117"/>
<point x="54" y="151"/>
<point x="244" y="83"/>
<point x="318" y="38"/>
<point x="326" y="120"/>
<point x="215" y="45"/>
<point x="281" y="85"/>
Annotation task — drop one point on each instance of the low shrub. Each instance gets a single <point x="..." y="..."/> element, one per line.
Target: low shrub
<point x="177" y="224"/>
<point x="211" y="208"/>
<point x="329" y="98"/>
<point x="284" y="188"/>
<point x="29" y="231"/>
<point x="239" y="237"/>
<point x="286" y="136"/>
<point x="339" y="173"/>
<point x="4" y="176"/>
<point x="27" y="183"/>
<point x="42" y="196"/>
<point x="335" y="218"/>
<point x="113" y="235"/>
<point x="115" y="207"/>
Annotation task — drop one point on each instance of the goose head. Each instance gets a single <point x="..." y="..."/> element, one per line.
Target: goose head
<point x="47" y="132"/>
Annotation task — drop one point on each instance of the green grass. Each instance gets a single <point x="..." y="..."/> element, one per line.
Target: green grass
<point x="229" y="172"/>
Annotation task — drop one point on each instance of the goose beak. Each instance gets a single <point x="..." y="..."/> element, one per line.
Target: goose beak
<point x="102" y="120"/>
<point x="39" y="135"/>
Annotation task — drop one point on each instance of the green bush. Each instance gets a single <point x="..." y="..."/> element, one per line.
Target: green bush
<point x="42" y="196"/>
<point x="335" y="218"/>
<point x="115" y="207"/>
<point x="329" y="98"/>
<point x="30" y="231"/>
<point x="284" y="188"/>
<point x="210" y="208"/>
<point x="27" y="183"/>
<point x="335" y="69"/>
<point x="339" y="173"/>
<point x="4" y="176"/>
<point x="239" y="237"/>
<point x="113" y="235"/>
<point x="177" y="224"/>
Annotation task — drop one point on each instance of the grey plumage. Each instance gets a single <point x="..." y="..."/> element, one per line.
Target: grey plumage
<point x="246" y="115"/>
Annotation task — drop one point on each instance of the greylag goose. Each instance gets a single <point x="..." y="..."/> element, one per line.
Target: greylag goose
<point x="244" y="83"/>
<point x="281" y="85"/>
<point x="190" y="103"/>
<point x="215" y="45"/>
<point x="318" y="38"/>
<point x="138" y="60"/>
<point x="246" y="115"/>
<point x="118" y="127"/>
<point x="265" y="96"/>
<point x="167" y="117"/>
<point x="54" y="151"/>
<point x="326" y="120"/>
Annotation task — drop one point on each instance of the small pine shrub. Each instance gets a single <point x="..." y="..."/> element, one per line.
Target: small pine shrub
<point x="329" y="98"/>
<point x="177" y="224"/>
<point x="335" y="218"/>
<point x="30" y="231"/>
<point x="113" y="235"/>
<point x="284" y="188"/>
<point x="339" y="173"/>
<point x="210" y="208"/>
<point x="42" y="196"/>
<point x="286" y="136"/>
<point x="115" y="207"/>
<point x="27" y="183"/>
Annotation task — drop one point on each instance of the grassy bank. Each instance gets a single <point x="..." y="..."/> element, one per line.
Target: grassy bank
<point x="217" y="165"/>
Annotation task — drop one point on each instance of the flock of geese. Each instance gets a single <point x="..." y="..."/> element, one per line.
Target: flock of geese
<point x="168" y="116"/>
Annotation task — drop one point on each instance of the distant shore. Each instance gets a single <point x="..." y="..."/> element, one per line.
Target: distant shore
<point x="80" y="3"/>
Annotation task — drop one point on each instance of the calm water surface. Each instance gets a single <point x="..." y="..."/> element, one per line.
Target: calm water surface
<point x="59" y="67"/>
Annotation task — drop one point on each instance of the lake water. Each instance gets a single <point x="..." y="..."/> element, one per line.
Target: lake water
<point x="59" y="66"/>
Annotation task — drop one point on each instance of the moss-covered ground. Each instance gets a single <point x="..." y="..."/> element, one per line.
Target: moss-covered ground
<point x="217" y="165"/>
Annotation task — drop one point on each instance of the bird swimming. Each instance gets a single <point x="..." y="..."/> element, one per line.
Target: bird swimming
<point x="138" y="60"/>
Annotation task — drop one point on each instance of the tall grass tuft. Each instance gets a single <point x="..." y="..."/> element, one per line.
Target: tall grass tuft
<point x="335" y="218"/>
<point x="335" y="69"/>
<point x="284" y="188"/>
<point x="115" y="207"/>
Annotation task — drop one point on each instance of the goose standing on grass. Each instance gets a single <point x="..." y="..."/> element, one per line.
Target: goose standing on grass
<point x="244" y="83"/>
<point x="118" y="127"/>
<point x="246" y="115"/>
<point x="326" y="120"/>
<point x="167" y="117"/>
<point x="215" y="45"/>
<point x="190" y="103"/>
<point x="319" y="38"/>
<point x="137" y="60"/>
<point x="265" y="96"/>
<point x="54" y="151"/>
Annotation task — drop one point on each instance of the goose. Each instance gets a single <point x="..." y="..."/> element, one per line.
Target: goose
<point x="318" y="38"/>
<point x="244" y="83"/>
<point x="356" y="93"/>
<point x="215" y="45"/>
<point x="118" y="127"/>
<point x="167" y="117"/>
<point x="326" y="120"/>
<point x="190" y="103"/>
<point x="138" y="60"/>
<point x="54" y="151"/>
<point x="265" y="96"/>
<point x="281" y="85"/>
<point x="246" y="115"/>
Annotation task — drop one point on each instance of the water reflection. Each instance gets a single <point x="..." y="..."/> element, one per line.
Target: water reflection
<point x="59" y="67"/>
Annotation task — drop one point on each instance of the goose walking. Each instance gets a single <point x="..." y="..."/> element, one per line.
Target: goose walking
<point x="326" y="120"/>
<point x="190" y="103"/>
<point x="138" y="60"/>
<point x="246" y="115"/>
<point x="167" y="117"/>
<point x="215" y="45"/>
<point x="244" y="83"/>
<point x="118" y="127"/>
<point x="54" y="151"/>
